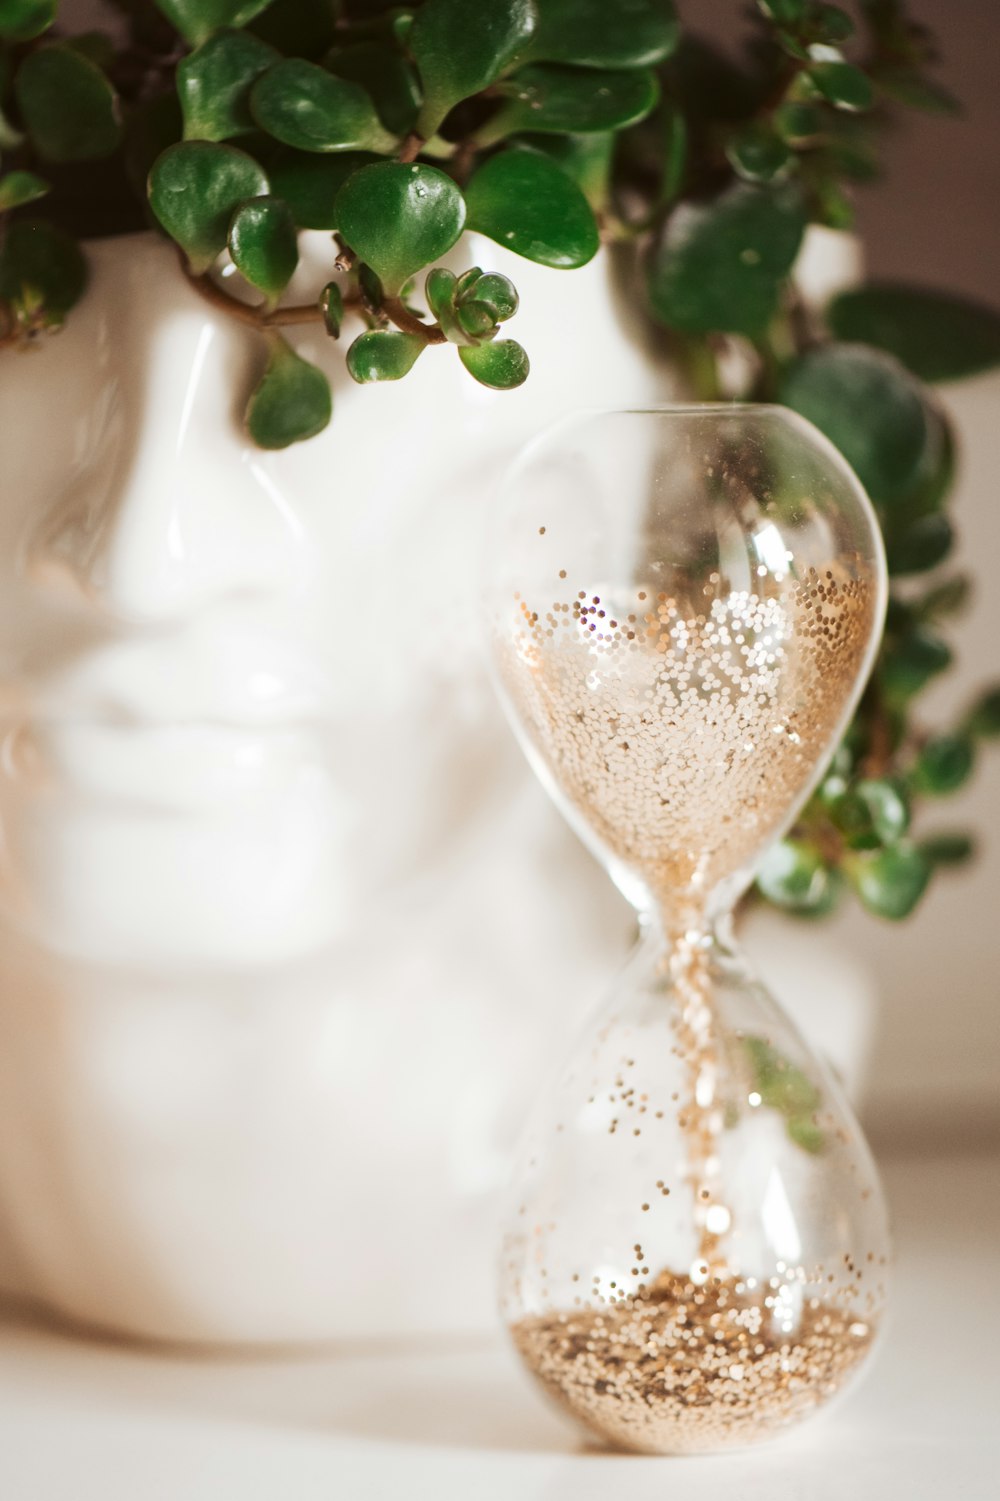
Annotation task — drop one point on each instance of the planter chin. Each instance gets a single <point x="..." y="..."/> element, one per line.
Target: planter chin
<point x="288" y="929"/>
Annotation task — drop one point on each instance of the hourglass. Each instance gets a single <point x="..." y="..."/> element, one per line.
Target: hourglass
<point x="683" y="608"/>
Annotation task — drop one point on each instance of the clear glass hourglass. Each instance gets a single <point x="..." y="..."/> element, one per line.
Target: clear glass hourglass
<point x="683" y="607"/>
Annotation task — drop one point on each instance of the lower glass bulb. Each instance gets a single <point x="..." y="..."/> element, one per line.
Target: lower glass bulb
<point x="698" y="1250"/>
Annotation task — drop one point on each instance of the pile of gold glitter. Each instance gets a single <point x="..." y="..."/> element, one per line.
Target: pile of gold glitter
<point x="684" y="733"/>
<point x="690" y="1369"/>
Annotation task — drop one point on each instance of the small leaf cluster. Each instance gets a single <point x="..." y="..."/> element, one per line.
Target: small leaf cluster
<point x="393" y="128"/>
<point x="546" y="126"/>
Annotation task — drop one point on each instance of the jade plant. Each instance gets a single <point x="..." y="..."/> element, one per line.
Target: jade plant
<point x="549" y="127"/>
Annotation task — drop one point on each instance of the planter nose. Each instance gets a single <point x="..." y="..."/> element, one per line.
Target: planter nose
<point x="168" y="508"/>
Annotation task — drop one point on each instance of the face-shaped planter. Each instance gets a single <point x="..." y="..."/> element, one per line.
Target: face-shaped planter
<point x="285" y="925"/>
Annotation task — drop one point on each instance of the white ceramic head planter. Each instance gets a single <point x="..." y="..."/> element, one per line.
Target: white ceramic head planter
<point x="270" y="864"/>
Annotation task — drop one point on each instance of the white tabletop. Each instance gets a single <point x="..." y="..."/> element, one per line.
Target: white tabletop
<point x="83" y="1421"/>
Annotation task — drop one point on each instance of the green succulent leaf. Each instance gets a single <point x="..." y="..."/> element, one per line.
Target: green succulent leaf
<point x="293" y="401"/>
<point x="783" y="12"/>
<point x="96" y="46"/>
<point x="757" y="154"/>
<point x="398" y="217"/>
<point x="463" y="284"/>
<point x="585" y="158"/>
<point x="944" y="764"/>
<point x="935" y="476"/>
<point x="719" y="265"/>
<point x="22" y="20"/>
<point x="304" y="106"/>
<point x="830" y="24"/>
<point x="263" y="244"/>
<point x="68" y="106"/>
<point x="197" y="20"/>
<point x="843" y="85"/>
<point x="798" y="124"/>
<point x="460" y="51"/>
<point x="921" y="546"/>
<point x="793" y="875"/>
<point x="574" y="101"/>
<point x="195" y="188"/>
<point x="497" y="293"/>
<point x="891" y="881"/>
<point x="440" y="287"/>
<point x="909" y="664"/>
<point x="19" y="188"/>
<point x="907" y="86"/>
<point x="937" y="336"/>
<point x="382" y="354"/>
<point x="984" y="716"/>
<point x="214" y="82"/>
<point x="331" y="301"/>
<point x="605" y="33"/>
<point x="386" y="76"/>
<point x="526" y="203"/>
<point x="947" y="849"/>
<point x="501" y="365"/>
<point x="869" y="407"/>
<point x="947" y="598"/>
<point x="477" y="321"/>
<point x="309" y="183"/>
<point x="887" y="807"/>
<point x="42" y="271"/>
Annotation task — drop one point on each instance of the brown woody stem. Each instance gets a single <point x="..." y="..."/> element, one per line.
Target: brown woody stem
<point x="410" y="148"/>
<point x="409" y="323"/>
<point x="256" y="314"/>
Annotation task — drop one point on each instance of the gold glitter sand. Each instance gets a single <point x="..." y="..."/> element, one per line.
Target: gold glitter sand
<point x="684" y="729"/>
<point x="691" y="1369"/>
<point x="685" y="732"/>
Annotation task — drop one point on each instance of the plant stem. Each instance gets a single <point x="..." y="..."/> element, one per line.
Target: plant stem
<point x="410" y="149"/>
<point x="256" y="314"/>
<point x="409" y="323"/>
